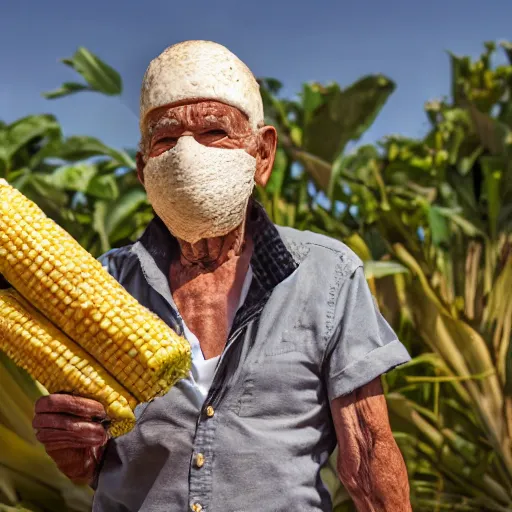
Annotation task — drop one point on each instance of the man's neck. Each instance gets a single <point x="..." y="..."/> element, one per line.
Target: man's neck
<point x="210" y="253"/>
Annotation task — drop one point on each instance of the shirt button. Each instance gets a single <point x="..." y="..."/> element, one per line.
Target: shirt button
<point x="199" y="460"/>
<point x="196" y="507"/>
<point x="210" y="411"/>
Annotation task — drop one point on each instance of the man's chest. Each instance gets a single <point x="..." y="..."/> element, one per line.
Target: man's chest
<point x="274" y="344"/>
<point x="208" y="302"/>
<point x="269" y="367"/>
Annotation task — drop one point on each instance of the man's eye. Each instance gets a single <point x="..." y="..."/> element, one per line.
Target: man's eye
<point x="166" y="140"/>
<point x="220" y="133"/>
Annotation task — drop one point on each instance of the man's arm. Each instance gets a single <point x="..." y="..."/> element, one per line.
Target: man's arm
<point x="370" y="464"/>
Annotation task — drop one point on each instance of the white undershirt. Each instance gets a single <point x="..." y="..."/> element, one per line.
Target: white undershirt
<point x="203" y="369"/>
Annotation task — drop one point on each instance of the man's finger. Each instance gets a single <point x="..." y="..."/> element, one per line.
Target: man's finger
<point x="77" y="444"/>
<point x="91" y="438"/>
<point x="70" y="404"/>
<point x="65" y="422"/>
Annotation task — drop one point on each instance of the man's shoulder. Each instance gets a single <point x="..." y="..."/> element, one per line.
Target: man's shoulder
<point x="119" y="262"/>
<point x="319" y="249"/>
<point x="117" y="254"/>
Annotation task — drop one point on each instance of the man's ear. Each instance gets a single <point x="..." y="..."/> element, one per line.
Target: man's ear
<point x="139" y="160"/>
<point x="267" y="146"/>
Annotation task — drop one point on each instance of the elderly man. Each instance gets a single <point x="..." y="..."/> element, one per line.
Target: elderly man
<point x="288" y="344"/>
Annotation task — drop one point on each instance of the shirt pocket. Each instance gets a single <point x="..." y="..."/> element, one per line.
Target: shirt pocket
<point x="283" y="382"/>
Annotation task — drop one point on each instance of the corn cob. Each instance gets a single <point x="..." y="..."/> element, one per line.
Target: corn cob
<point x="71" y="288"/>
<point x="59" y="364"/>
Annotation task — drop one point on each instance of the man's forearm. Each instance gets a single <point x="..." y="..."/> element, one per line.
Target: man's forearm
<point x="370" y="464"/>
<point x="377" y="480"/>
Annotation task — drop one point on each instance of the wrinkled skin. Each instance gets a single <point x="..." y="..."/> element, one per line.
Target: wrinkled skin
<point x="370" y="464"/>
<point x="71" y="431"/>
<point x="206" y="281"/>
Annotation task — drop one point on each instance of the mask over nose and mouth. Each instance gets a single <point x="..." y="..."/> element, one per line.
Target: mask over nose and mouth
<point x="198" y="191"/>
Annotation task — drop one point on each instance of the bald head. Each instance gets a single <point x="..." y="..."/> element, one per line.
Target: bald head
<point x="200" y="70"/>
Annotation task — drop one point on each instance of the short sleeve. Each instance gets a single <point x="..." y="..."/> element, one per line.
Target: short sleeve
<point x="363" y="345"/>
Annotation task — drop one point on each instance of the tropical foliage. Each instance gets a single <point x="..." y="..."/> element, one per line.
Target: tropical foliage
<point x="431" y="218"/>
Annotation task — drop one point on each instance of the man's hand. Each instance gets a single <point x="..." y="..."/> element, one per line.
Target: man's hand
<point x="370" y="464"/>
<point x="69" y="428"/>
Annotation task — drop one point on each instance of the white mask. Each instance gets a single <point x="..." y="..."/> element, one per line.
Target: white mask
<point x="198" y="191"/>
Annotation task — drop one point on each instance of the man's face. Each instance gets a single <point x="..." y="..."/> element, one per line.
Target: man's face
<point x="212" y="124"/>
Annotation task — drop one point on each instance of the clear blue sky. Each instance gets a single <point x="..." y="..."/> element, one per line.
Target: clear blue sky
<point x="294" y="41"/>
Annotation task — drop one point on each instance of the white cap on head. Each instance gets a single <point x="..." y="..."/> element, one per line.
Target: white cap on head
<point x="197" y="70"/>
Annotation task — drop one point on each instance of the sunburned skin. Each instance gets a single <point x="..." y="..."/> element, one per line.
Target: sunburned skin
<point x="213" y="124"/>
<point x="207" y="279"/>
<point x="70" y="429"/>
<point x="370" y="464"/>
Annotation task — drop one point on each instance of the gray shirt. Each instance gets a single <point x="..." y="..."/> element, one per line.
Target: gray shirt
<point x="308" y="332"/>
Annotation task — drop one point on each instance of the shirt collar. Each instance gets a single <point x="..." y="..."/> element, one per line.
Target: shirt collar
<point x="271" y="261"/>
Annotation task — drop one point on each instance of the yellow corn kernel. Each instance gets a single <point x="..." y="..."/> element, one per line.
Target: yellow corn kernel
<point x="50" y="357"/>
<point x="57" y="285"/>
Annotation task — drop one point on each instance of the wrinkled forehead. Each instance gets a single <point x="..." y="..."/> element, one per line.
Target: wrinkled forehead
<point x="196" y="114"/>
